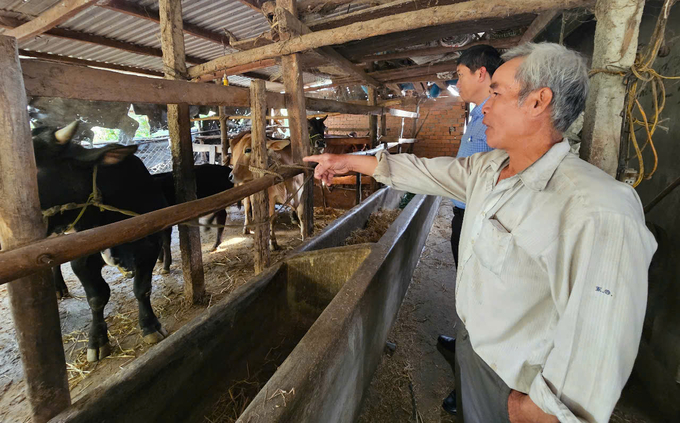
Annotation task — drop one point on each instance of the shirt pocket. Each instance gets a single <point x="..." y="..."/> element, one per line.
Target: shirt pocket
<point x="492" y="245"/>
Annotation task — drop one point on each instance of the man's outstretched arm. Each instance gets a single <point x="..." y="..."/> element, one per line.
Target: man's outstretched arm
<point x="443" y="176"/>
<point x="330" y="165"/>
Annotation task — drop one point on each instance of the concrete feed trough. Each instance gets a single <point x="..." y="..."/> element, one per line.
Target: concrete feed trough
<point x="313" y="325"/>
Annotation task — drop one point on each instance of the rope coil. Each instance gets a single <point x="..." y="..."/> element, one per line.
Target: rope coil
<point x="642" y="73"/>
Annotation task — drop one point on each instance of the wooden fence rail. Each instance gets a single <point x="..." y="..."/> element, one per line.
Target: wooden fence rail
<point x="49" y="252"/>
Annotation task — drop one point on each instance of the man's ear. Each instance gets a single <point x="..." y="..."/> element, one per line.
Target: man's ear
<point x="539" y="101"/>
<point x="482" y="73"/>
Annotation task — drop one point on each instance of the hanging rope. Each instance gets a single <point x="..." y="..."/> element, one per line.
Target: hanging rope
<point x="636" y="78"/>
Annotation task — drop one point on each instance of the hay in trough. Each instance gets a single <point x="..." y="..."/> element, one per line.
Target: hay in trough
<point x="377" y="225"/>
<point x="324" y="216"/>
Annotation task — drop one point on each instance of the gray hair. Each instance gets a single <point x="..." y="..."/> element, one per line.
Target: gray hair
<point x="562" y="70"/>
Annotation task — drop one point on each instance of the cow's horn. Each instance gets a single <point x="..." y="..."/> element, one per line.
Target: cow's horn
<point x="64" y="134"/>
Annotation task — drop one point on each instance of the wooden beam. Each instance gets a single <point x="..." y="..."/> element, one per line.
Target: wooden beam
<point x="132" y="9"/>
<point x="32" y="298"/>
<point x="179" y="129"/>
<point x="57" y="14"/>
<point x="48" y="79"/>
<point x="429" y="51"/>
<point x="297" y="117"/>
<point x="403" y="74"/>
<point x="383" y="10"/>
<point x="259" y="203"/>
<point x="253" y="4"/>
<point x="290" y="25"/>
<point x="462" y="12"/>
<point x="539" y="24"/>
<point x="81" y="62"/>
<point x="42" y="255"/>
<point x="236" y="70"/>
<point x="616" y="40"/>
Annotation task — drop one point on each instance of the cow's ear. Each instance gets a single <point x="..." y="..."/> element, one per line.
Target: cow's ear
<point x="323" y="119"/>
<point x="277" y="145"/>
<point x="105" y="156"/>
<point x="117" y="155"/>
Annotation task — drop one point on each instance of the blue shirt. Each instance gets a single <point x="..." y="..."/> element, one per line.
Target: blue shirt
<point x="474" y="139"/>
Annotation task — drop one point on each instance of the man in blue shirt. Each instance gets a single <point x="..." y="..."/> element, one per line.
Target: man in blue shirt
<point x="476" y="65"/>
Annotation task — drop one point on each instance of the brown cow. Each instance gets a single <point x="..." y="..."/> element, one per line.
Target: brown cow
<point x="279" y="151"/>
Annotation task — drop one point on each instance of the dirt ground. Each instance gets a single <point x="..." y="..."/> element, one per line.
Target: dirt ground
<point x="409" y="385"/>
<point x="225" y="270"/>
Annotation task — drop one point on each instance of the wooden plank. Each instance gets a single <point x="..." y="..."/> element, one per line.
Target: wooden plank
<point x="32" y="298"/>
<point x="236" y="70"/>
<point x="429" y="51"/>
<point x="81" y="62"/>
<point x="179" y="130"/>
<point x="383" y="10"/>
<point x="616" y="40"/>
<point x="351" y="180"/>
<point x="373" y="119"/>
<point x="290" y="25"/>
<point x="58" y="14"/>
<point x="224" y="135"/>
<point x="259" y="203"/>
<point x="297" y="118"/>
<point x="348" y="141"/>
<point x="539" y="24"/>
<point x="253" y="4"/>
<point x="42" y="255"/>
<point x="472" y="10"/>
<point x="132" y="9"/>
<point x="47" y="79"/>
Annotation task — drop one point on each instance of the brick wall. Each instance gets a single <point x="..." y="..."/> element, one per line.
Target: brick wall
<point x="443" y="117"/>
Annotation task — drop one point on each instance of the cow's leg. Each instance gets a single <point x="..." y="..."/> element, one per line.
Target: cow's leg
<point x="273" y="245"/>
<point x="151" y="327"/>
<point x="59" y="284"/>
<point x="165" y="254"/>
<point x="246" y="211"/>
<point x="221" y="219"/>
<point x="88" y="269"/>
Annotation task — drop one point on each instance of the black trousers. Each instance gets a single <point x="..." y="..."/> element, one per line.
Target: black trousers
<point x="456" y="225"/>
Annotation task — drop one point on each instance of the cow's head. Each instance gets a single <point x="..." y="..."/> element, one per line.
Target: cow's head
<point x="317" y="131"/>
<point x="241" y="150"/>
<point x="65" y="168"/>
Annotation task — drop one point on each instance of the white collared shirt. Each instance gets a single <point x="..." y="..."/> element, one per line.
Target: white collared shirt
<point x="552" y="281"/>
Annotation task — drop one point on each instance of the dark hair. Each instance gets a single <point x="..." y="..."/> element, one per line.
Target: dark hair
<point x="481" y="56"/>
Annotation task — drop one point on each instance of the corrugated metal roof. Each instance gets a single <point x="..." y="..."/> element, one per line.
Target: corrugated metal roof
<point x="236" y="17"/>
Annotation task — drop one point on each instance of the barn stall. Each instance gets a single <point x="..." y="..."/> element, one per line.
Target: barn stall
<point x="66" y="50"/>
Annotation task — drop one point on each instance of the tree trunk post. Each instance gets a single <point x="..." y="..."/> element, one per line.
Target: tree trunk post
<point x="260" y="202"/>
<point x="616" y="40"/>
<point x="297" y="118"/>
<point x="33" y="300"/>
<point x="179" y="127"/>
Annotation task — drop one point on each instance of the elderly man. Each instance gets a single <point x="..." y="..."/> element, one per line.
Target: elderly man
<point x="554" y="253"/>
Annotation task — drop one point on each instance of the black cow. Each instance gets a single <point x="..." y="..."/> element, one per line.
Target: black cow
<point x="210" y="180"/>
<point x="317" y="133"/>
<point x="65" y="173"/>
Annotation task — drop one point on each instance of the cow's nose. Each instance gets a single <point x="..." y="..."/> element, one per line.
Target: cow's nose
<point x="231" y="177"/>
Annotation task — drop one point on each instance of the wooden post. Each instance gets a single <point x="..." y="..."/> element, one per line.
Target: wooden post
<point x="372" y="133"/>
<point x="414" y="129"/>
<point x="259" y="203"/>
<point x="297" y="116"/>
<point x="32" y="298"/>
<point x="224" y="135"/>
<point x="616" y="40"/>
<point x="358" y="188"/>
<point x="179" y="128"/>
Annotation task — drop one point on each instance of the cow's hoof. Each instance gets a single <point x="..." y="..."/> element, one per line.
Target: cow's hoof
<point x="165" y="271"/>
<point x="246" y="231"/>
<point x="274" y="247"/>
<point x="156" y="337"/>
<point x="94" y="355"/>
